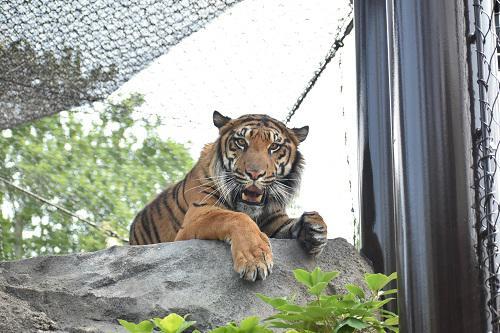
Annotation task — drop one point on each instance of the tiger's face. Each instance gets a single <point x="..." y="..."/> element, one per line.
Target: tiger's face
<point x="259" y="161"/>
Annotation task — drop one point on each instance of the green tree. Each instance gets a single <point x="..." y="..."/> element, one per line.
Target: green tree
<point x="102" y="169"/>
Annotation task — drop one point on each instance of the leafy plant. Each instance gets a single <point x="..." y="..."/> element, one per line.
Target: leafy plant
<point x="248" y="325"/>
<point x="173" y="323"/>
<point x="352" y="312"/>
<point x="355" y="311"/>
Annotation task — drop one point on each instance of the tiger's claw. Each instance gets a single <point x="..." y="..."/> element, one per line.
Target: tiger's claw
<point x="252" y="256"/>
<point x="313" y="233"/>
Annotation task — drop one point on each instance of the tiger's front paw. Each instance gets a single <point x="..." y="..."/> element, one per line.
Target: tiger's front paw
<point x="313" y="232"/>
<point x="252" y="255"/>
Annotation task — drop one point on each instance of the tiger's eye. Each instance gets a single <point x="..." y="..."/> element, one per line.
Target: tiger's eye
<point x="241" y="143"/>
<point x="274" y="146"/>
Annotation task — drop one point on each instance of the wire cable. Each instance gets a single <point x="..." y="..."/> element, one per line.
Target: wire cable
<point x="339" y="42"/>
<point x="108" y="232"/>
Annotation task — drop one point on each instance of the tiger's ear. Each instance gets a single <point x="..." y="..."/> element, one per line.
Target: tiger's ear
<point x="301" y="133"/>
<point x="220" y="120"/>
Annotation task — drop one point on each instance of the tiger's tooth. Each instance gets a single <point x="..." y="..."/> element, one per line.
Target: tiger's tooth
<point x="259" y="198"/>
<point x="244" y="196"/>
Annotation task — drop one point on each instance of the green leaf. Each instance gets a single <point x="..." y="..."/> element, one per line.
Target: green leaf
<point x="379" y="304"/>
<point x="316" y="276"/>
<point x="389" y="292"/>
<point x="343" y="328"/>
<point x="317" y="313"/>
<point x="222" y="329"/>
<point x="281" y="324"/>
<point x="249" y="323"/>
<point x="356" y="323"/>
<point x="329" y="276"/>
<point x="173" y="323"/>
<point x="318" y="288"/>
<point x="392" y="321"/>
<point x="350" y="324"/>
<point x="355" y="290"/>
<point x="395" y="329"/>
<point x="376" y="281"/>
<point x="275" y="302"/>
<point x="291" y="317"/>
<point x="388" y="313"/>
<point x="303" y="277"/>
<point x="290" y="308"/>
<point x="145" y="326"/>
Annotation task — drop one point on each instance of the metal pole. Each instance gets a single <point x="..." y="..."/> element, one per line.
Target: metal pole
<point x="374" y="135"/>
<point x="438" y="277"/>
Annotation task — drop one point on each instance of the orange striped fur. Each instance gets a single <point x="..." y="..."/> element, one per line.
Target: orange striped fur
<point x="237" y="192"/>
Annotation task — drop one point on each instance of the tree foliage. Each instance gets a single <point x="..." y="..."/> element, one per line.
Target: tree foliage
<point x="104" y="169"/>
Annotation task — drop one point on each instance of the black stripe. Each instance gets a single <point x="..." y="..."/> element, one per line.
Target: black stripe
<point x="286" y="163"/>
<point x="135" y="235"/>
<point x="219" y="148"/>
<point x="157" y="206"/>
<point x="132" y="234"/>
<point x="226" y="148"/>
<point x="238" y="173"/>
<point x="176" y="197"/>
<point x="143" y="237"/>
<point x="289" y="155"/>
<point x="145" y="225"/>
<point x="184" y="191"/>
<point x="280" y="228"/>
<point x="153" y="225"/>
<point x="276" y="231"/>
<point x="176" y="223"/>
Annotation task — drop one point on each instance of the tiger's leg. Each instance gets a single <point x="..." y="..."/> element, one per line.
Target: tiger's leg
<point x="309" y="229"/>
<point x="250" y="248"/>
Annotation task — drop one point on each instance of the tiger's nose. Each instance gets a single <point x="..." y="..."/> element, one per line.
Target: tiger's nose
<point x="255" y="174"/>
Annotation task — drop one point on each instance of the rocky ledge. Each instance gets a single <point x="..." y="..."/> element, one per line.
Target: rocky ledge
<point x="87" y="292"/>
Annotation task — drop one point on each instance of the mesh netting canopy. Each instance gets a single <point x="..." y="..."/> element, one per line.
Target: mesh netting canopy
<point x="59" y="54"/>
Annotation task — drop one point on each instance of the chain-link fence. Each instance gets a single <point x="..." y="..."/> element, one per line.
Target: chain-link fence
<point x="60" y="54"/>
<point x="484" y="42"/>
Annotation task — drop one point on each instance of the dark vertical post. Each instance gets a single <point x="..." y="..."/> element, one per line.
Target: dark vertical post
<point x="438" y="281"/>
<point x="374" y="135"/>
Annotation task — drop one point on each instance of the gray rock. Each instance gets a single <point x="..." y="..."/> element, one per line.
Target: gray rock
<point x="87" y="292"/>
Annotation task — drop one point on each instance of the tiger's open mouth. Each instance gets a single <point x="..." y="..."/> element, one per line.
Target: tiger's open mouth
<point x="252" y="195"/>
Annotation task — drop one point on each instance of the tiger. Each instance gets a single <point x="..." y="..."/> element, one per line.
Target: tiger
<point x="237" y="192"/>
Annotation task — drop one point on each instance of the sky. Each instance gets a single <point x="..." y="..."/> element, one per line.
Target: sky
<point x="257" y="57"/>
